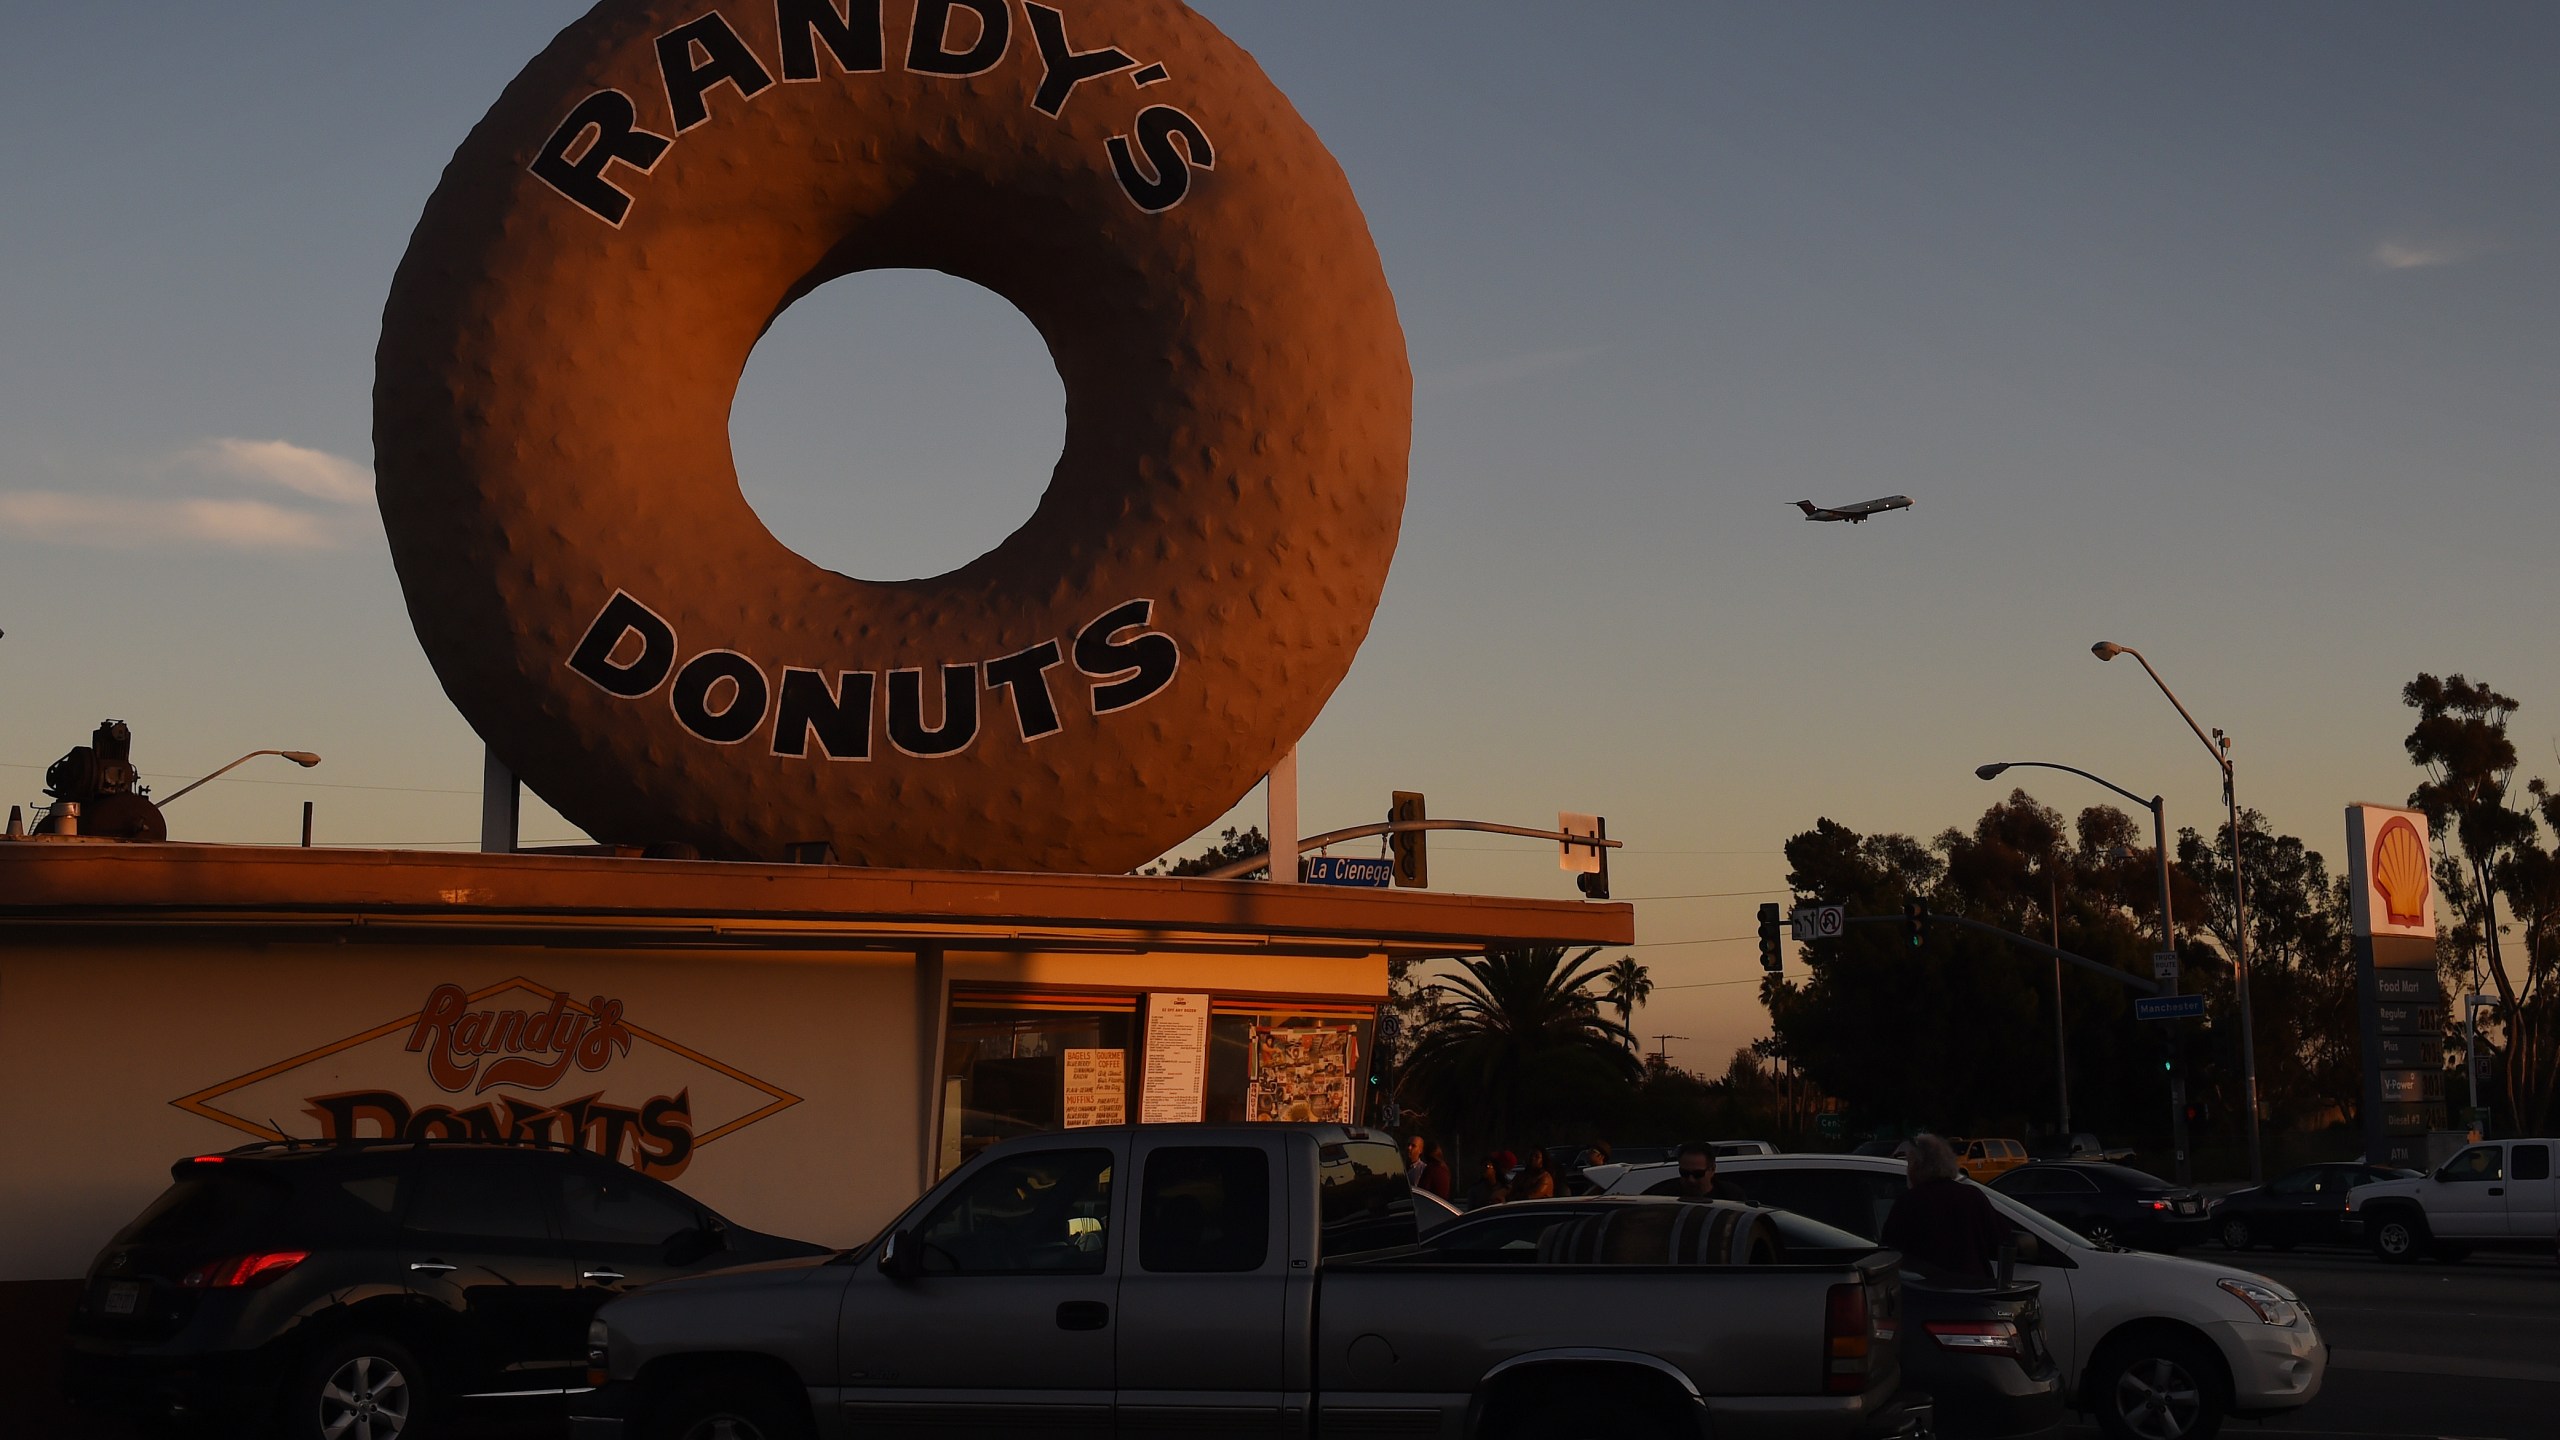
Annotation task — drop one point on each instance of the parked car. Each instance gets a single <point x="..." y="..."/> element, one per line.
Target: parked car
<point x="1978" y="1351"/>
<point x="322" y="1290"/>
<point x="2111" y="1204"/>
<point x="1725" y="1148"/>
<point x="2300" y="1207"/>
<point x="1192" y="1279"/>
<point x="2500" y="1193"/>
<point x="1989" y="1159"/>
<point x="2152" y="1346"/>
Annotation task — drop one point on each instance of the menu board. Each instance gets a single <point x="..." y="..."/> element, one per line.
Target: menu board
<point x="1301" y="1076"/>
<point x="1097" y="1087"/>
<point x="1177" y="1059"/>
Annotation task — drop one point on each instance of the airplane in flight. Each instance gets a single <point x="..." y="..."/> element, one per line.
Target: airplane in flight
<point x="1854" y="513"/>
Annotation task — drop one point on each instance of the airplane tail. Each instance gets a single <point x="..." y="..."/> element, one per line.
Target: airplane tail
<point x="1806" y="506"/>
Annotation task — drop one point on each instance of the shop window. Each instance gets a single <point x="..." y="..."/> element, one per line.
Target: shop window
<point x="1308" y="1066"/>
<point x="1008" y="1060"/>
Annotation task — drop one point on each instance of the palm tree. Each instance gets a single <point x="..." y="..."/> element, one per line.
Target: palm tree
<point x="1522" y="1043"/>
<point x="1629" y="986"/>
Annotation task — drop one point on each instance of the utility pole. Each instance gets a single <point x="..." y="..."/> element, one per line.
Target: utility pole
<point x="1661" y="1056"/>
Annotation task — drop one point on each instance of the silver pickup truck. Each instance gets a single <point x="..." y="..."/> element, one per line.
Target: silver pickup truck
<point x="1166" y="1281"/>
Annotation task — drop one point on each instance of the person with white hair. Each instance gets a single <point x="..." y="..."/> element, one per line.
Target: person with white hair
<point x="1944" y="1221"/>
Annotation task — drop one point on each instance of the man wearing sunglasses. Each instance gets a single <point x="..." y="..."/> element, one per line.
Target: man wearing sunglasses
<point x="1698" y="1177"/>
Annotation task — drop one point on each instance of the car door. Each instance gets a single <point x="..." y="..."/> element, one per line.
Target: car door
<point x="2533" y="1212"/>
<point x="479" y="1243"/>
<point x="625" y="1230"/>
<point x="2468" y="1200"/>
<point x="2287" y="1210"/>
<point x="1008" y="1329"/>
<point x="1201" y="1334"/>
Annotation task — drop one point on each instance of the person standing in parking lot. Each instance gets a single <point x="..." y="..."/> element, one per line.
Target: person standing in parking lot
<point x="1413" y="1165"/>
<point x="1535" y="1181"/>
<point x="1698" y="1177"/>
<point x="1435" y="1171"/>
<point x="1944" y="1221"/>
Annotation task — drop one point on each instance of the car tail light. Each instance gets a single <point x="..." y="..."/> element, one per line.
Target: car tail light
<point x="235" y="1272"/>
<point x="1978" y="1337"/>
<point x="1846" y="1339"/>
<point x="2159" y="1204"/>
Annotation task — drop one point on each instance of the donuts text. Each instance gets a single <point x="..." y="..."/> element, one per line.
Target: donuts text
<point x="630" y="651"/>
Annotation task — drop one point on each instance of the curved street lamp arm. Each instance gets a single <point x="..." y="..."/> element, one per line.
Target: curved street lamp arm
<point x="299" y="757"/>
<point x="2219" y="758"/>
<point x="2152" y="803"/>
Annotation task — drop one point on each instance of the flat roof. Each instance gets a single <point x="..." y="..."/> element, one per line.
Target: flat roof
<point x="93" y="887"/>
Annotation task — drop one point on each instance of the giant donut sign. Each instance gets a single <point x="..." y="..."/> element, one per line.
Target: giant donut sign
<point x="566" y="333"/>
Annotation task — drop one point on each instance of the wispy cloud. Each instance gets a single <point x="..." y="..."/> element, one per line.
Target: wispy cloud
<point x="1508" y="368"/>
<point x="297" y="468"/>
<point x="114" y="522"/>
<point x="2411" y="254"/>
<point x="137" y="522"/>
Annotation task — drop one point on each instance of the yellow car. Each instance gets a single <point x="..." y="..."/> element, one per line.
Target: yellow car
<point x="1987" y="1160"/>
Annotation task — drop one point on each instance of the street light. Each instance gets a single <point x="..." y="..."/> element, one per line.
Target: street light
<point x="2218" y="745"/>
<point x="2168" y="934"/>
<point x="303" y="758"/>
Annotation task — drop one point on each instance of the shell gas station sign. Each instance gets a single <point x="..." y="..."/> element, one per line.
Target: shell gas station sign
<point x="2391" y="892"/>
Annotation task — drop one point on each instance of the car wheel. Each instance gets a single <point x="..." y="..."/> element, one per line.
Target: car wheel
<point x="2162" y="1387"/>
<point x="365" y="1387"/>
<point x="730" y="1412"/>
<point x="2236" y="1234"/>
<point x="2398" y="1237"/>
<point x="2102" y="1231"/>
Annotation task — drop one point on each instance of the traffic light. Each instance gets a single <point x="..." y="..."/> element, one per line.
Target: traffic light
<point x="1915" y="923"/>
<point x="1412" y="864"/>
<point x="1771" y="959"/>
<point x="1594" y="883"/>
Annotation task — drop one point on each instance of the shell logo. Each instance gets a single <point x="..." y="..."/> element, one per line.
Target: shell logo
<point x="2399" y="870"/>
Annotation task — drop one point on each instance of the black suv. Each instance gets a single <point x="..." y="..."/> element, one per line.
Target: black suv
<point x="342" y="1290"/>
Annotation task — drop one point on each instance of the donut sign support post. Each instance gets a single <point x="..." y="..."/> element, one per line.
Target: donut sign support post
<point x="564" y="338"/>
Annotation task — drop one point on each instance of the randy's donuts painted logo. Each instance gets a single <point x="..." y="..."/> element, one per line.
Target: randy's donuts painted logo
<point x="510" y="1061"/>
<point x="601" y="146"/>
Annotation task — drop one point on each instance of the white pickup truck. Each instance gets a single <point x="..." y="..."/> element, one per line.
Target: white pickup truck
<point x="2498" y="1193"/>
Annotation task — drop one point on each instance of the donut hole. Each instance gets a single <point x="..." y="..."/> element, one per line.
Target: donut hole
<point x="897" y="424"/>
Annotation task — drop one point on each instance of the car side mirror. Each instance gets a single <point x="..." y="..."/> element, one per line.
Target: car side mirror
<point x="901" y="1258"/>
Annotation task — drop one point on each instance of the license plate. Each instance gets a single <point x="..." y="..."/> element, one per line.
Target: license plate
<point x="2186" y="1207"/>
<point x="122" y="1297"/>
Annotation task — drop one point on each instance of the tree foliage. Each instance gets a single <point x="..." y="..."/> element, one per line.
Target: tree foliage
<point x="2492" y="843"/>
<point x="1519" y="1046"/>
<point x="1960" y="1032"/>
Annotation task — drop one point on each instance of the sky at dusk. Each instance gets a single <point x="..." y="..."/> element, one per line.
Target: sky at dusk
<point x="2222" y="332"/>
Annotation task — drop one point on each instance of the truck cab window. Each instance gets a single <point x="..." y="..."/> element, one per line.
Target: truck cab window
<point x="2480" y="1162"/>
<point x="1205" y="1209"/>
<point x="1043" y="1213"/>
<point x="1362" y="1199"/>
<point x="2533" y="1162"/>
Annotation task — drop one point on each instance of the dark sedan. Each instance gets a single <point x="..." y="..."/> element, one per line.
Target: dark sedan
<point x="2112" y="1204"/>
<point x="2303" y="1207"/>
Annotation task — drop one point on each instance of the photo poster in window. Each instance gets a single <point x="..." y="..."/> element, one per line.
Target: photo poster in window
<point x="1177" y="1063"/>
<point x="1097" y="1087"/>
<point x="1302" y="1076"/>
